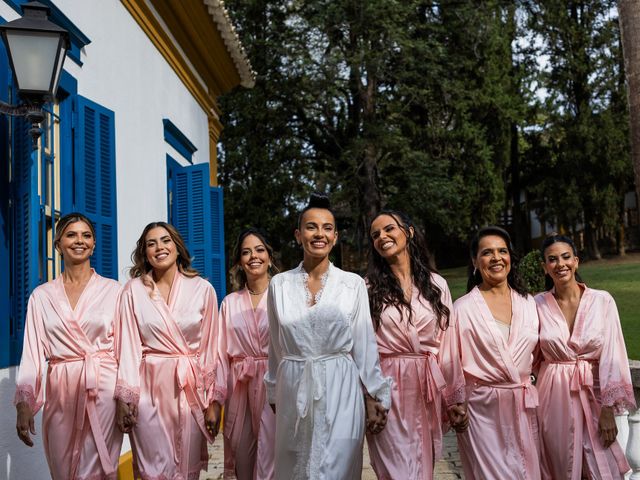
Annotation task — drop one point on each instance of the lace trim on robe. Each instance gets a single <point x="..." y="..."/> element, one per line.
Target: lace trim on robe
<point x="99" y="476"/>
<point x="456" y="396"/>
<point x="619" y="395"/>
<point x="24" y="393"/>
<point x="305" y="283"/>
<point x="383" y="394"/>
<point x="217" y="395"/>
<point x="127" y="393"/>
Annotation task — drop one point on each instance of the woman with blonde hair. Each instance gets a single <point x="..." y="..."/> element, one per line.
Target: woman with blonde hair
<point x="70" y="324"/>
<point x="243" y="345"/>
<point x="166" y="351"/>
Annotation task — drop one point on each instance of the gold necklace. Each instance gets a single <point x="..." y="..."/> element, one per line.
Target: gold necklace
<point x="256" y="294"/>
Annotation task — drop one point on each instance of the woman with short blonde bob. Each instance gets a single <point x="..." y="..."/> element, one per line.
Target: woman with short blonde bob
<point x="166" y="351"/>
<point x="584" y="377"/>
<point x="70" y="324"/>
<point x="243" y="346"/>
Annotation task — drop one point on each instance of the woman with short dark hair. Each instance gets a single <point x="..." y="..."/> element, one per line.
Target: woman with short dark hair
<point x="584" y="376"/>
<point x="497" y="328"/>
<point x="322" y="359"/>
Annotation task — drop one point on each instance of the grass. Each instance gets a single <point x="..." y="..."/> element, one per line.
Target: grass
<point x="620" y="277"/>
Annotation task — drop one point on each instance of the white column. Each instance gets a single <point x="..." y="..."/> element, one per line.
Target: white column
<point x="633" y="444"/>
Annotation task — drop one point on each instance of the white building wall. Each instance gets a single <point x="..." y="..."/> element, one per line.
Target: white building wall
<point x="123" y="71"/>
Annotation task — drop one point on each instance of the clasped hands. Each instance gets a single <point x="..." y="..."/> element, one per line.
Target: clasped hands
<point x="458" y="417"/>
<point x="376" y="414"/>
<point x="126" y="416"/>
<point x="212" y="418"/>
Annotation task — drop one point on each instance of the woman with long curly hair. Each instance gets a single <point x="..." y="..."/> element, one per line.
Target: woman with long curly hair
<point x="243" y="346"/>
<point x="412" y="309"/>
<point x="584" y="377"/>
<point x="498" y="337"/>
<point x="166" y="349"/>
<point x="70" y="323"/>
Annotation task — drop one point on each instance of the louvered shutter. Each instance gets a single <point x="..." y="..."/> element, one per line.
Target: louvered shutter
<point x="196" y="210"/>
<point x="95" y="180"/>
<point x="26" y="214"/>
<point x="216" y="253"/>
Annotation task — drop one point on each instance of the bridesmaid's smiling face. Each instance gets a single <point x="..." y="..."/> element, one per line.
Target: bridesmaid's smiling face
<point x="493" y="260"/>
<point x="388" y="237"/>
<point x="160" y="249"/>
<point x="560" y="263"/>
<point x="77" y="243"/>
<point x="254" y="257"/>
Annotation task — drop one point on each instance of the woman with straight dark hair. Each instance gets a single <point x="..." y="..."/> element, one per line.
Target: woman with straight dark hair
<point x="584" y="376"/>
<point x="243" y="346"/>
<point x="70" y="324"/>
<point x="322" y="355"/>
<point x="166" y="350"/>
<point x="412" y="315"/>
<point x="497" y="332"/>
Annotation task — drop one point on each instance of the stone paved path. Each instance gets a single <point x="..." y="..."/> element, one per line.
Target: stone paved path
<point x="449" y="468"/>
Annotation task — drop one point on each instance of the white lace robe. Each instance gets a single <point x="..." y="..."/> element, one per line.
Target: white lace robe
<point x="320" y="358"/>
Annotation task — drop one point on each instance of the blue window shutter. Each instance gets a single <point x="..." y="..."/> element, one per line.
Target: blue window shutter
<point x="216" y="253"/>
<point x="196" y="211"/>
<point x="95" y="180"/>
<point x="189" y="210"/>
<point x="26" y="214"/>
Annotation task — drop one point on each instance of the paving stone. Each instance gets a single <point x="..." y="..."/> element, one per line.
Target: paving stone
<point x="448" y="468"/>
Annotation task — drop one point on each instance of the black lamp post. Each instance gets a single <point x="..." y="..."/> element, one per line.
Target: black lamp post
<point x="37" y="48"/>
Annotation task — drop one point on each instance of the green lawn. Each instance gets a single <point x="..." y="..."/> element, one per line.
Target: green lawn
<point x="622" y="280"/>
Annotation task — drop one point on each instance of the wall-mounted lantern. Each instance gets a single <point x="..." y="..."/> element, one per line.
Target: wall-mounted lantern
<point x="37" y="48"/>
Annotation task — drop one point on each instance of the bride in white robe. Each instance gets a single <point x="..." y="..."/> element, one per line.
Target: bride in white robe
<point x="322" y="359"/>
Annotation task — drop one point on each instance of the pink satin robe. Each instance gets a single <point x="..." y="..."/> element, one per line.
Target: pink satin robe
<point x="243" y="347"/>
<point x="580" y="372"/>
<point x="424" y="362"/>
<point x="81" y="439"/>
<point x="167" y="357"/>
<point x="502" y="439"/>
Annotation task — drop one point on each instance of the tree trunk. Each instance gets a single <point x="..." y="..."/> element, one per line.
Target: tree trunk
<point x="591" y="242"/>
<point x="629" y="17"/>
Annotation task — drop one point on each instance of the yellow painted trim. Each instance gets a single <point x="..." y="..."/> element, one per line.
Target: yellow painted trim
<point x="150" y="25"/>
<point x="125" y="466"/>
<point x="215" y="127"/>
<point x="203" y="47"/>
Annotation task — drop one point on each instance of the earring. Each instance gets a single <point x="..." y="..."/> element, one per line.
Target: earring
<point x="475" y="270"/>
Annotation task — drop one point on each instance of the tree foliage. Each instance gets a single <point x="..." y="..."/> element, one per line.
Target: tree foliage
<point x="432" y="107"/>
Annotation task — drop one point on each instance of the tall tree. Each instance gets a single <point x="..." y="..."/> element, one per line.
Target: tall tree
<point x="629" y="14"/>
<point x="588" y="175"/>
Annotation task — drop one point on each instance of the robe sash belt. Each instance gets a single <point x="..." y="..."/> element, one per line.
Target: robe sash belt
<point x="432" y="384"/>
<point x="582" y="384"/>
<point x="86" y="403"/>
<point x="311" y="387"/>
<point x="529" y="402"/>
<point x="245" y="368"/>
<point x="188" y="377"/>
